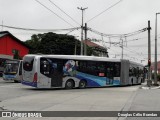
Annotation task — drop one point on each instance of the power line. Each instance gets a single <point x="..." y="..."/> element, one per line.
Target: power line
<point x="104" y="11"/>
<point x="71" y="31"/>
<point x="118" y="35"/>
<point x="139" y="54"/>
<point x="41" y="30"/>
<point x="126" y="48"/>
<point x="135" y="33"/>
<point x="54" y="13"/>
<point x="134" y="39"/>
<point x="105" y="35"/>
<point x="63" y="11"/>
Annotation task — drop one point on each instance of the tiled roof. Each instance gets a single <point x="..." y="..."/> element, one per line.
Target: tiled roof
<point x="91" y="44"/>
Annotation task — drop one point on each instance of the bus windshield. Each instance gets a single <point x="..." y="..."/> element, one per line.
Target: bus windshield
<point x="28" y="63"/>
<point x="11" y="67"/>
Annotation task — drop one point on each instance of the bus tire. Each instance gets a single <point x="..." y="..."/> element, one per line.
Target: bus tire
<point x="132" y="81"/>
<point x="140" y="81"/>
<point x="69" y="84"/>
<point x="16" y="81"/>
<point x="82" y="84"/>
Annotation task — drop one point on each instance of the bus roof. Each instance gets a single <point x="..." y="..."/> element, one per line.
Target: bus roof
<point x="77" y="57"/>
<point x="80" y="57"/>
<point x="137" y="63"/>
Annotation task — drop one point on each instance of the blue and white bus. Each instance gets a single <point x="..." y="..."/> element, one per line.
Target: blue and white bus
<point x="70" y="71"/>
<point x="13" y="70"/>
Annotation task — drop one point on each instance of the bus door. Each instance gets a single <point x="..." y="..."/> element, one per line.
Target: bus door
<point x="52" y="69"/>
<point x="56" y="73"/>
<point x="109" y="73"/>
<point x="44" y="77"/>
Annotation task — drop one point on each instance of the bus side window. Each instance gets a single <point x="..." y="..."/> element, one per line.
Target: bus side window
<point x="91" y="68"/>
<point x="45" y="67"/>
<point x="20" y="69"/>
<point x="117" y="69"/>
<point x="110" y="70"/>
<point x="82" y="67"/>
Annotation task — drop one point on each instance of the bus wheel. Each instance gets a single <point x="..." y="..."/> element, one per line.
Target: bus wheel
<point x="15" y="81"/>
<point x="69" y="84"/>
<point x="132" y="81"/>
<point x="82" y="84"/>
<point x="141" y="81"/>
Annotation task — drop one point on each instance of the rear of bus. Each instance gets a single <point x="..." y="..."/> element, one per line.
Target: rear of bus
<point x="29" y="70"/>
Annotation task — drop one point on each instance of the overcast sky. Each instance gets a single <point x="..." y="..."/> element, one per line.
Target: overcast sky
<point x="125" y="17"/>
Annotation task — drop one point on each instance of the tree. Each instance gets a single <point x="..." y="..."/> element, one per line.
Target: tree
<point x="52" y="43"/>
<point x="34" y="43"/>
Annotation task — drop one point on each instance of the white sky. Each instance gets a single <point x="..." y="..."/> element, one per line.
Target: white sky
<point x="127" y="16"/>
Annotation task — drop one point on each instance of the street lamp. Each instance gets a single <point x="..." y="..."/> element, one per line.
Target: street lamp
<point x="82" y="9"/>
<point x="155" y="64"/>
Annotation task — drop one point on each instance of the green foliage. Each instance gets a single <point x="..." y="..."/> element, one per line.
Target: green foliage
<point x="52" y="43"/>
<point x="34" y="43"/>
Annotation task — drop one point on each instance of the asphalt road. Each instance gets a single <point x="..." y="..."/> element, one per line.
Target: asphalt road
<point x="17" y="97"/>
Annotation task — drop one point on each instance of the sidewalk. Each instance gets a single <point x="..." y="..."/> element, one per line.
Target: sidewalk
<point x="145" y="86"/>
<point x="145" y="99"/>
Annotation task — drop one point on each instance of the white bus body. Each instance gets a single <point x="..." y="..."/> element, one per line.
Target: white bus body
<point x="68" y="71"/>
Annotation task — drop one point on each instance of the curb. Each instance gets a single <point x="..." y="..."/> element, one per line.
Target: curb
<point x="147" y="88"/>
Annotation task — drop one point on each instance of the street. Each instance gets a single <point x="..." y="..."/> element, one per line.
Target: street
<point x="17" y="97"/>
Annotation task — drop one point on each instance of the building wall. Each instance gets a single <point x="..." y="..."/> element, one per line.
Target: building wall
<point x="8" y="44"/>
<point x="3" y="47"/>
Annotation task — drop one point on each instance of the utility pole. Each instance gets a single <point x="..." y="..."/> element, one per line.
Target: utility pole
<point x="122" y="47"/>
<point x="75" y="48"/>
<point x="82" y="30"/>
<point x="155" y="63"/>
<point x="85" y="46"/>
<point x="149" y="55"/>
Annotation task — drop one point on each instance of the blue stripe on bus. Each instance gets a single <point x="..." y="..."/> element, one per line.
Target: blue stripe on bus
<point x="90" y="83"/>
<point x="8" y="77"/>
<point x="95" y="81"/>
<point x="33" y="84"/>
<point x="116" y="82"/>
<point x="92" y="80"/>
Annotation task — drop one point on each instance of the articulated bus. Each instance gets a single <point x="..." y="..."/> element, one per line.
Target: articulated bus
<point x="70" y="71"/>
<point x="13" y="70"/>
